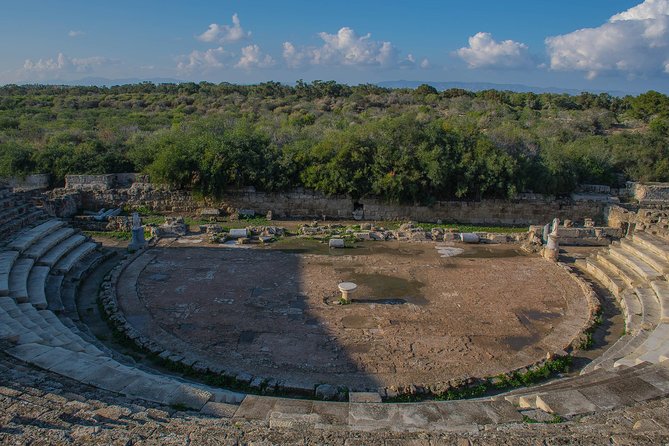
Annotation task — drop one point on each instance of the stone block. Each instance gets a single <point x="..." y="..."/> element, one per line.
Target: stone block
<point x="468" y="237"/>
<point x="364" y="397"/>
<point x="362" y="235"/>
<point x="238" y="233"/>
<point x="336" y="243"/>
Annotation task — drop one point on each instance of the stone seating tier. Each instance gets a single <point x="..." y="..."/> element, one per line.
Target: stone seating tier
<point x="45" y="244"/>
<point x="27" y="238"/>
<point x="15" y="225"/>
<point x="18" y="279"/>
<point x="61" y="250"/>
<point x="661" y="289"/>
<point x="37" y="286"/>
<point x="7" y="259"/>
<point x="655" y="244"/>
<point x="630" y="258"/>
<point x="658" y="262"/>
<point x="75" y="255"/>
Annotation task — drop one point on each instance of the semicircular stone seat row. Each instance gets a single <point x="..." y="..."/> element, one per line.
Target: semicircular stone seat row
<point x="37" y="259"/>
<point x="635" y="270"/>
<point x="635" y="367"/>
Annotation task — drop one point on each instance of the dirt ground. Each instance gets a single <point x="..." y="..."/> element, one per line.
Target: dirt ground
<point x="416" y="318"/>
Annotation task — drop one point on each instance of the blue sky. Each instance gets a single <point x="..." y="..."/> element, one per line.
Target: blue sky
<point x="585" y="44"/>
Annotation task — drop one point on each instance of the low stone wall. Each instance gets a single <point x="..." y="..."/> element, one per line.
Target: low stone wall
<point x="106" y="181"/>
<point x="29" y="182"/>
<point x="651" y="193"/>
<point x="308" y="204"/>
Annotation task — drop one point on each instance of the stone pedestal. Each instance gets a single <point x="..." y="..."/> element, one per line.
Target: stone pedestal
<point x="137" y="241"/>
<point x="347" y="288"/>
<point x="552" y="248"/>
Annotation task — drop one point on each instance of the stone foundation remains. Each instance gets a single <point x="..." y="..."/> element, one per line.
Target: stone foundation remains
<point x="92" y="192"/>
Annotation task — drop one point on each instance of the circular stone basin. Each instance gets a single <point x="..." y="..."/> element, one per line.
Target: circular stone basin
<point x="418" y="318"/>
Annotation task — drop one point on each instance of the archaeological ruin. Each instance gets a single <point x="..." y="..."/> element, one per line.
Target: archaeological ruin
<point x="133" y="312"/>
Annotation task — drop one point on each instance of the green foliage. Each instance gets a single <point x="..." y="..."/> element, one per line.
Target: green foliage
<point x="407" y="145"/>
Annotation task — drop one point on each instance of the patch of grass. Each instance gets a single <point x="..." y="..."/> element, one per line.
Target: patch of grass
<point x="473" y="228"/>
<point x="589" y="341"/>
<point x="394" y="225"/>
<point x="243" y="222"/>
<point x="534" y="375"/>
<point x="556" y="419"/>
<point x="529" y="420"/>
<point x="180" y="407"/>
<point x="117" y="235"/>
<point x="464" y="393"/>
<point x="501" y="382"/>
<point x="404" y="398"/>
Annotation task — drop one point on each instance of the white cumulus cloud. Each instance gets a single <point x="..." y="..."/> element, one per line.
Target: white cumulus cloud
<point x="225" y="33"/>
<point x="74" y="33"/>
<point x="346" y="48"/>
<point x="62" y="65"/>
<point x="252" y="57"/>
<point x="485" y="52"/>
<point x="292" y="56"/>
<point x="634" y="42"/>
<point x="203" y="60"/>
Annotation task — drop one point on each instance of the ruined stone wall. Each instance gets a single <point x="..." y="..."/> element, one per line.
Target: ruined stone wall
<point x="107" y="181"/>
<point x="308" y="204"/>
<point x="29" y="182"/>
<point x="651" y="193"/>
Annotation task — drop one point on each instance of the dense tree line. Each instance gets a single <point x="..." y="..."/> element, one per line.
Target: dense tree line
<point x="404" y="145"/>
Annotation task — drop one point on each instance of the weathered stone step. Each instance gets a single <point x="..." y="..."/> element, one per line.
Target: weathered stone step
<point x="18" y="279"/>
<point x="653" y="243"/>
<point x="514" y="396"/>
<point x="74" y="256"/>
<point x="19" y="223"/>
<point x="7" y="202"/>
<point x="13" y="213"/>
<point x="13" y="331"/>
<point x="636" y="264"/>
<point x="625" y="344"/>
<point x="589" y="399"/>
<point x="53" y="286"/>
<point x="656" y="345"/>
<point x="27" y="238"/>
<point x="633" y="310"/>
<point x="661" y="289"/>
<point x="606" y="277"/>
<point x="621" y="270"/>
<point x="27" y="322"/>
<point x="7" y="259"/>
<point x="650" y="307"/>
<point x="42" y="246"/>
<point x="433" y="416"/>
<point x="44" y="324"/>
<point x="598" y="377"/>
<point x="650" y="257"/>
<point x="37" y="285"/>
<point x="108" y="374"/>
<point x="69" y="286"/>
<point x="57" y="252"/>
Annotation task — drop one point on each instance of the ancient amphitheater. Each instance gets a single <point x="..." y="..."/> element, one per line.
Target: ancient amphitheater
<point x="59" y="384"/>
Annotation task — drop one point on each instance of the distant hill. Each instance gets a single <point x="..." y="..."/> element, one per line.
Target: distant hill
<point x="471" y="86"/>
<point x="104" y="82"/>
<point x="478" y="86"/>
